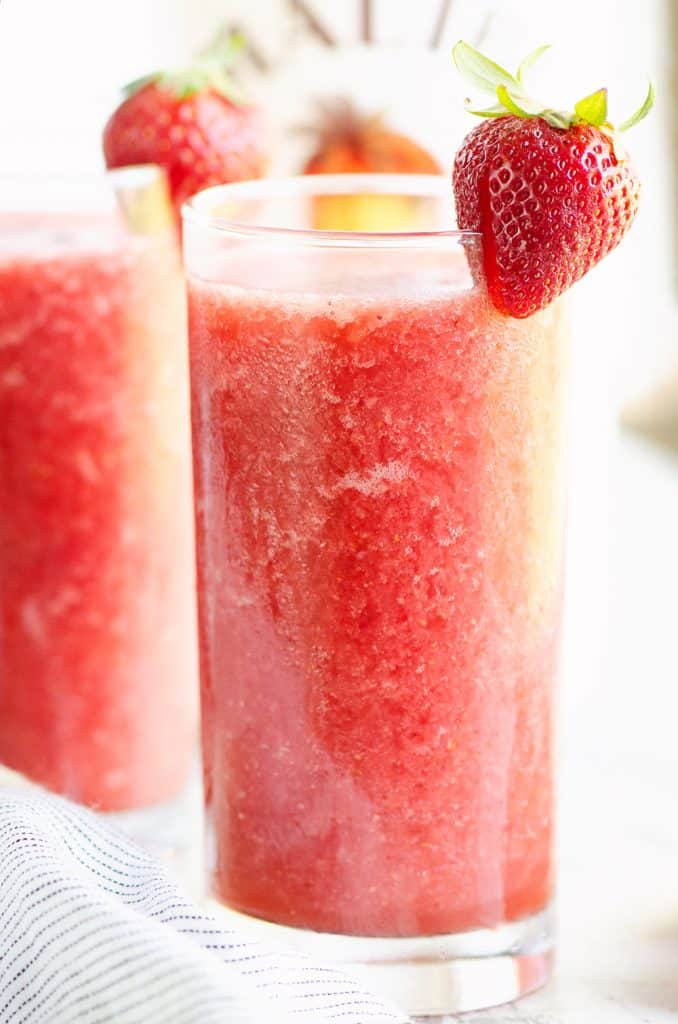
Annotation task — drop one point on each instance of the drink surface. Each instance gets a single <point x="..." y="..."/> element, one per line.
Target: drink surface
<point x="97" y="645"/>
<point x="379" y="514"/>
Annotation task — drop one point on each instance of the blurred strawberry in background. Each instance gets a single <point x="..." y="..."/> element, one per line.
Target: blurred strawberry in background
<point x="348" y="142"/>
<point x="194" y="122"/>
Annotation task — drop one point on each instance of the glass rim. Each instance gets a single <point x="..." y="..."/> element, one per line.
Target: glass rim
<point x="198" y="210"/>
<point x="141" y="173"/>
<point x="135" y="196"/>
<point x="75" y="190"/>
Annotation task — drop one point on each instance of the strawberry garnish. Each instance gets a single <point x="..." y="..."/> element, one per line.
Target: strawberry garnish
<point x="194" y="123"/>
<point x="551" y="192"/>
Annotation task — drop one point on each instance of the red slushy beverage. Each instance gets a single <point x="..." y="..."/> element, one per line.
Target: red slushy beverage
<point x="97" y="646"/>
<point x="378" y="460"/>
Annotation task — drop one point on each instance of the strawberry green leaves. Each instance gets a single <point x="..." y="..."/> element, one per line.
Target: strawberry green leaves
<point x="496" y="111"/>
<point x="479" y="70"/>
<point x="509" y="92"/>
<point x="642" y="111"/>
<point x="558" y="118"/>
<point x="518" y="103"/>
<point x="485" y="74"/>
<point x="211" y="69"/>
<point x="489" y="77"/>
<point x="527" y="63"/>
<point x="140" y="83"/>
<point x="507" y="101"/>
<point x="593" y="109"/>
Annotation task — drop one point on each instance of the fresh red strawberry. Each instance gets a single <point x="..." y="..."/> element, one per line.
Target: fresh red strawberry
<point x="193" y="123"/>
<point x="551" y="193"/>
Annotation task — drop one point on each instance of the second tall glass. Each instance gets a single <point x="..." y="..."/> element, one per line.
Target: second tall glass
<point x="98" y="658"/>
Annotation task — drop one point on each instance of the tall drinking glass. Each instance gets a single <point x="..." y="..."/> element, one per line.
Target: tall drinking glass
<point x="378" y="460"/>
<point x="98" y="652"/>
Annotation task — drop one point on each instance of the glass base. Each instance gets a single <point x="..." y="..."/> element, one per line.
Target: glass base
<point x="432" y="976"/>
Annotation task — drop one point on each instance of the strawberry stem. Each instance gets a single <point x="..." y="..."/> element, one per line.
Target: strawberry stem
<point x="211" y="69"/>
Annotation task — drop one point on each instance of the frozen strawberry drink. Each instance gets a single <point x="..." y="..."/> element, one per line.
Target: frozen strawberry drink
<point x="378" y="472"/>
<point x="97" y="647"/>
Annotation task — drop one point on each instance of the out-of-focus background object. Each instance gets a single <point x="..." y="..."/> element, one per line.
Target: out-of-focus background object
<point x="194" y="122"/>
<point x="653" y="411"/>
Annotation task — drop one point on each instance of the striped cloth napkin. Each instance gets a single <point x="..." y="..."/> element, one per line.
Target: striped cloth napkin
<point x="93" y="930"/>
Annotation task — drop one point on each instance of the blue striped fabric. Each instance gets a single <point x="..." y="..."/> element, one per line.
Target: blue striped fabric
<point x="93" y="930"/>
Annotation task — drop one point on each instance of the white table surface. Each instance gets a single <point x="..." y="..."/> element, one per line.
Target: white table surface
<point x="618" y="900"/>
